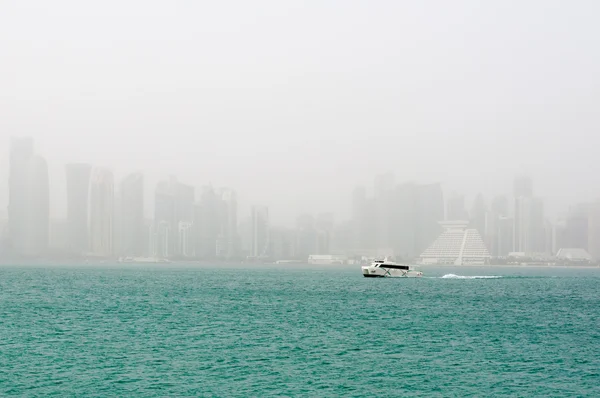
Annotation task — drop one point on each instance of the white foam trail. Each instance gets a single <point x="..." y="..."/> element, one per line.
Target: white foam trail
<point x="452" y="276"/>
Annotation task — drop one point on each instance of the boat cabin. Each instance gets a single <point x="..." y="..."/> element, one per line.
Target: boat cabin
<point x="383" y="264"/>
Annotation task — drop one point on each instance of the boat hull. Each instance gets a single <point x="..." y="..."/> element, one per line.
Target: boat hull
<point x="376" y="272"/>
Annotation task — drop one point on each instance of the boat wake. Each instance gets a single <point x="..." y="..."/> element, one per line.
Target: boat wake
<point x="453" y="276"/>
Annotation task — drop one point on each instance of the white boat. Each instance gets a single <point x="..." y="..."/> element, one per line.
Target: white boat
<point x="389" y="269"/>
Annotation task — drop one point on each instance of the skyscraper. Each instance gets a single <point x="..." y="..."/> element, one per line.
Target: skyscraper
<point x="228" y="234"/>
<point x="21" y="151"/>
<point x="455" y="208"/>
<point x="306" y="236"/>
<point x="165" y="218"/>
<point x="101" y="212"/>
<point x="132" y="215"/>
<point x="78" y="186"/>
<point x="38" y="207"/>
<point x="429" y="211"/>
<point x="206" y="223"/>
<point x="577" y="228"/>
<point x="594" y="231"/>
<point x="529" y="229"/>
<point x="362" y="221"/>
<point x="529" y="225"/>
<point x="260" y="231"/>
<point x="477" y="216"/>
<point x="498" y="228"/>
<point x="29" y="204"/>
<point x="174" y="203"/>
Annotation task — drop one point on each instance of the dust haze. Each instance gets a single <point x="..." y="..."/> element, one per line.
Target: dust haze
<point x="294" y="104"/>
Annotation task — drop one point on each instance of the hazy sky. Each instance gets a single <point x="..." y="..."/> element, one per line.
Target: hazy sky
<point x="292" y="103"/>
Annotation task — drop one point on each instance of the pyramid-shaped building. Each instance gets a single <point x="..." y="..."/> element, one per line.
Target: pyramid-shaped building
<point x="457" y="245"/>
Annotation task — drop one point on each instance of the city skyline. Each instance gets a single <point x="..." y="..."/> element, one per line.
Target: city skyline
<point x="556" y="206"/>
<point x="105" y="218"/>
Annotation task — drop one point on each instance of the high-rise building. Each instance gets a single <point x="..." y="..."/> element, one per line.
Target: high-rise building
<point x="306" y="236"/>
<point x="455" y="208"/>
<point x="529" y="226"/>
<point x="29" y="203"/>
<point x="363" y="221"/>
<point x="383" y="206"/>
<point x="132" y="215"/>
<point x="21" y="151"/>
<point x="206" y="223"/>
<point x="404" y="220"/>
<point x="185" y="240"/>
<point x="160" y="236"/>
<point x="260" y="231"/>
<point x="429" y="212"/>
<point x="38" y="207"/>
<point x="101" y="212"/>
<point x="577" y="228"/>
<point x="478" y="215"/>
<point x="282" y="244"/>
<point x="78" y="187"/>
<point x="165" y="218"/>
<point x="174" y="203"/>
<point x="594" y="231"/>
<point x="505" y="239"/>
<point x="228" y="234"/>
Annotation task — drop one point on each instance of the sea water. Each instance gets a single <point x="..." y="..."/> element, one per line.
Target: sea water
<point x="175" y="330"/>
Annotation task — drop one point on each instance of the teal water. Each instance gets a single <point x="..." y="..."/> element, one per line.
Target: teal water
<point x="227" y="332"/>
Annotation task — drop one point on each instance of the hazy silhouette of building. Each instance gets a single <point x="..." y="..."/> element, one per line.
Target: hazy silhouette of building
<point x="29" y="203"/>
<point x="500" y="205"/>
<point x="594" y="231"/>
<point x="282" y="244"/>
<point x="384" y="187"/>
<point x="260" y="231"/>
<point x="185" y="241"/>
<point x="101" y="212"/>
<point x="38" y="207"/>
<point x="227" y="241"/>
<point x="164" y="219"/>
<point x="206" y="223"/>
<point x="363" y="221"/>
<point x="505" y="240"/>
<point x="455" y="208"/>
<point x="132" y="215"/>
<point x="577" y="227"/>
<point x="429" y="212"/>
<point x="529" y="231"/>
<point x="21" y="151"/>
<point x="78" y="186"/>
<point x="404" y="220"/>
<point x="478" y="215"/>
<point x="306" y="236"/>
<point x="173" y="204"/>
<point x="498" y="228"/>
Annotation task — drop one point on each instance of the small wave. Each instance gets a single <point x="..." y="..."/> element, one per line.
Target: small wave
<point x="453" y="276"/>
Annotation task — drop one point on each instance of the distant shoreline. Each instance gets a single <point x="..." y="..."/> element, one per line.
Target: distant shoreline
<point x="217" y="264"/>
